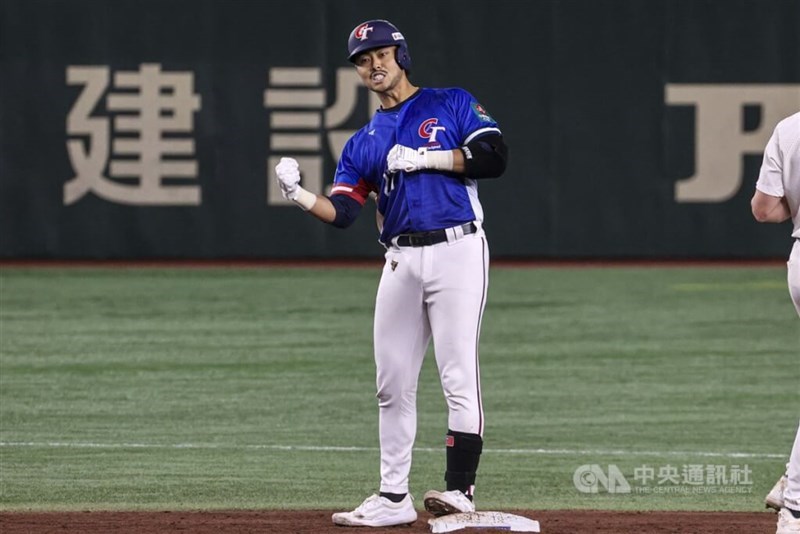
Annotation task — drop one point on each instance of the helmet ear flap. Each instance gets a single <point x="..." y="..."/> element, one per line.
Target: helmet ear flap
<point x="403" y="58"/>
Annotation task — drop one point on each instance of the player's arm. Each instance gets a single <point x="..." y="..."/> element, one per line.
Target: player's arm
<point x="338" y="210"/>
<point x="768" y="208"/>
<point x="769" y="202"/>
<point x="484" y="157"/>
<point x="323" y="209"/>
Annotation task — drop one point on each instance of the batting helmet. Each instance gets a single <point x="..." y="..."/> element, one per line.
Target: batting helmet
<point x="376" y="34"/>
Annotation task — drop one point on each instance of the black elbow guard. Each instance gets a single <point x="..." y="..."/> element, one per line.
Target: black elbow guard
<point x="347" y="209"/>
<point x="485" y="157"/>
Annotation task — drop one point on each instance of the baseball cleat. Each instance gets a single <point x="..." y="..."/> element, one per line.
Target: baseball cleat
<point x="774" y="498"/>
<point x="787" y="523"/>
<point x="377" y="511"/>
<point x="441" y="503"/>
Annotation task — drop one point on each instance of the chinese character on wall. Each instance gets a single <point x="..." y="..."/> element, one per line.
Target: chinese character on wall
<point x="136" y="149"/>
<point x="299" y="121"/>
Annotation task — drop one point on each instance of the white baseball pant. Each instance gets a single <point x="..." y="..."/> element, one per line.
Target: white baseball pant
<point x="794" y="275"/>
<point x="434" y="291"/>
<point x="791" y="495"/>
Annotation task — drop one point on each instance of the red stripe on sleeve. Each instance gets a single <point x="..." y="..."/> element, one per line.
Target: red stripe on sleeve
<point x="359" y="192"/>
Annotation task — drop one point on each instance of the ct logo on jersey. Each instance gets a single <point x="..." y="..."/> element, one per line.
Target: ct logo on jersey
<point x="428" y="130"/>
<point x="362" y="32"/>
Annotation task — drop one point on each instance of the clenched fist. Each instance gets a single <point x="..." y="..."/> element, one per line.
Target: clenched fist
<point x="288" y="175"/>
<point x="403" y="158"/>
<point x="407" y="159"/>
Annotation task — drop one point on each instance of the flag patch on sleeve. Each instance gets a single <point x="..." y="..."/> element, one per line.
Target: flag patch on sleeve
<point x="481" y="113"/>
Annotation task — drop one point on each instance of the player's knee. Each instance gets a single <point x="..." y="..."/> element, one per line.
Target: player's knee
<point x="393" y="395"/>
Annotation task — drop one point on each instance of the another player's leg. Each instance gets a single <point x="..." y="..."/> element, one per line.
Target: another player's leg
<point x="789" y="516"/>
<point x="774" y="498"/>
<point x="401" y="337"/>
<point x="794" y="276"/>
<point x="455" y="305"/>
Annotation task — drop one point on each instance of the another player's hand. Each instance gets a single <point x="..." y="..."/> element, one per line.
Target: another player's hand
<point x="288" y="174"/>
<point x="407" y="159"/>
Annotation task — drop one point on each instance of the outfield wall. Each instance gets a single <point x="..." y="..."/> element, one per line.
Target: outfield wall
<point x="148" y="128"/>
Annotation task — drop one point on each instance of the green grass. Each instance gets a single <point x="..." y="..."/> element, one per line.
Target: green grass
<point x="214" y="388"/>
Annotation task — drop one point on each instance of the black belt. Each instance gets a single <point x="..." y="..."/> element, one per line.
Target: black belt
<point x="423" y="239"/>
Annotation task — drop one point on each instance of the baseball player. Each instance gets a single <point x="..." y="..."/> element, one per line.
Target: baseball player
<point x="421" y="154"/>
<point x="777" y="198"/>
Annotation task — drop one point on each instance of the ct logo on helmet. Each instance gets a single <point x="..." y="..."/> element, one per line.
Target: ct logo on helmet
<point x="362" y="32"/>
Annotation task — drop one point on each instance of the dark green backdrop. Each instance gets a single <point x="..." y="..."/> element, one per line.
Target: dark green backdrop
<point x="578" y="87"/>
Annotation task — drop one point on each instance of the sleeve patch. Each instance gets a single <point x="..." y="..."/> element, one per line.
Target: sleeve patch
<point x="481" y="113"/>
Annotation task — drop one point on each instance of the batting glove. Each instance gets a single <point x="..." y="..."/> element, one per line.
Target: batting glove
<point x="407" y="159"/>
<point x="288" y="173"/>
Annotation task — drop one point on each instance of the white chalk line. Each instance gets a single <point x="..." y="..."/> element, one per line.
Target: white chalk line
<point x="323" y="448"/>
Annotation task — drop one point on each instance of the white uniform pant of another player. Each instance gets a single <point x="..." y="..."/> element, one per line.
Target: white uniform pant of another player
<point x="791" y="495"/>
<point x="794" y="274"/>
<point x="435" y="291"/>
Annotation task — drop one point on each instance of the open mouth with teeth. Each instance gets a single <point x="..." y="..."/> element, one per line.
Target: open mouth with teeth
<point x="378" y="77"/>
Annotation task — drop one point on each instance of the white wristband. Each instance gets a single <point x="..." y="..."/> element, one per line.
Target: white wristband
<point x="305" y="199"/>
<point x="439" y="159"/>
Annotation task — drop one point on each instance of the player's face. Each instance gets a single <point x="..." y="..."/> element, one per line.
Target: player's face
<point x="378" y="69"/>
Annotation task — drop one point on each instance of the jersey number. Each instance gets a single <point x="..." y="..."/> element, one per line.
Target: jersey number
<point x="388" y="183"/>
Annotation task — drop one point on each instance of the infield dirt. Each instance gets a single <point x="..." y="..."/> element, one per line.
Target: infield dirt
<point x="319" y="522"/>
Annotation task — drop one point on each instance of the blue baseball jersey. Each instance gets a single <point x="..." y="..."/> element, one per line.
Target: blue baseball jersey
<point x="436" y="119"/>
